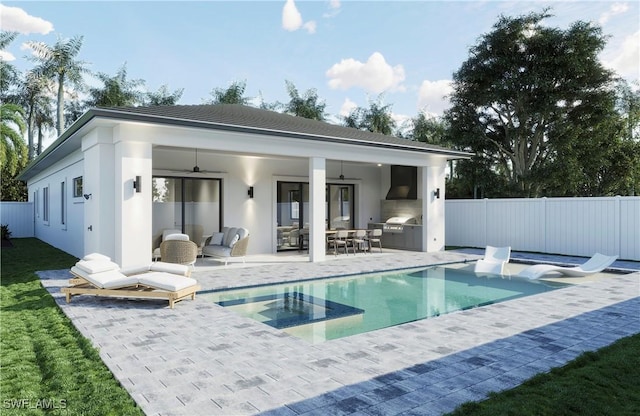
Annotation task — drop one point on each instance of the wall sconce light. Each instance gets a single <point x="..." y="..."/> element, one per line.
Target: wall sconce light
<point x="436" y="193"/>
<point x="87" y="196"/>
<point x="137" y="184"/>
<point x="250" y="192"/>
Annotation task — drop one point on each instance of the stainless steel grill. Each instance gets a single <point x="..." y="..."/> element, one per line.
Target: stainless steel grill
<point x="395" y="225"/>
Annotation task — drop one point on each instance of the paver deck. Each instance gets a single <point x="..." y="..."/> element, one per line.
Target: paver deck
<point x="202" y="359"/>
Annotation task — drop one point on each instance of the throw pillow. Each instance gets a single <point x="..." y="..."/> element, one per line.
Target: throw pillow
<point x="216" y="239"/>
<point x="234" y="240"/>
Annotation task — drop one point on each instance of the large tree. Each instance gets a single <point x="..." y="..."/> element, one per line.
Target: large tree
<point x="8" y="73"/>
<point x="527" y="94"/>
<point x="59" y="63"/>
<point x="116" y="91"/>
<point x="308" y="105"/>
<point x="35" y="99"/>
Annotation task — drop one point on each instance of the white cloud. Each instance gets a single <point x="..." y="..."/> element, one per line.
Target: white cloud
<point x="375" y="75"/>
<point x="334" y="9"/>
<point x="14" y="19"/>
<point x="291" y="17"/>
<point x="432" y="96"/>
<point x="310" y="27"/>
<point x="6" y="56"/>
<point x="627" y="58"/>
<point x="347" y="107"/>
<point x="616" y="8"/>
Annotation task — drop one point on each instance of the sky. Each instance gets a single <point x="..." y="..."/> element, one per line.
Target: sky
<point x="403" y="53"/>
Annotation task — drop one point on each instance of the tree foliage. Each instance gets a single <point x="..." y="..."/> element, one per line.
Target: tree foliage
<point x="117" y="90"/>
<point x="308" y="105"/>
<point x="59" y="63"/>
<point x="163" y="96"/>
<point x="13" y="152"/>
<point x="234" y="94"/>
<point x="376" y="119"/>
<point x="532" y="102"/>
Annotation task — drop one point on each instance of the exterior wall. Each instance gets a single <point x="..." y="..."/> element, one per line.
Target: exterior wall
<point x="570" y="226"/>
<point x="19" y="217"/>
<point x="64" y="233"/>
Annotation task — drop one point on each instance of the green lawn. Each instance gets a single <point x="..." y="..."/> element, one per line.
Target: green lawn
<point x="46" y="366"/>
<point x="601" y="383"/>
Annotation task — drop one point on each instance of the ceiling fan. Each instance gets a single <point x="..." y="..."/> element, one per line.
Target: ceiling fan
<point x="195" y="168"/>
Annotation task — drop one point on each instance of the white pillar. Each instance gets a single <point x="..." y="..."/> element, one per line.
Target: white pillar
<point x="133" y="216"/>
<point x="317" y="204"/>
<point x="97" y="185"/>
<point x="433" y="181"/>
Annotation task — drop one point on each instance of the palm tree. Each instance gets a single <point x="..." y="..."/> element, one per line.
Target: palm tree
<point x="8" y="74"/>
<point x="307" y="106"/>
<point x="117" y="91"/>
<point x="59" y="63"/>
<point x="13" y="151"/>
<point x="34" y="97"/>
<point x="232" y="95"/>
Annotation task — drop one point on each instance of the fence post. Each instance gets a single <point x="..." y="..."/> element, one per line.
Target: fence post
<point x="617" y="224"/>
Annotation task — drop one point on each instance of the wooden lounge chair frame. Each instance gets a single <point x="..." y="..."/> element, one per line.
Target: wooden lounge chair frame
<point x="81" y="286"/>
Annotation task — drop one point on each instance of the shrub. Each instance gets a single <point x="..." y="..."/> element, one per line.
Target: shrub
<point x="6" y="233"/>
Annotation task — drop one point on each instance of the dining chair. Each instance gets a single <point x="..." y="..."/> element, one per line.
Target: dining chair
<point x="360" y="241"/>
<point x="375" y="237"/>
<point x="341" y="240"/>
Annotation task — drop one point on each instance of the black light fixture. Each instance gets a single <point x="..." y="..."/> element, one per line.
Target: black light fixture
<point x="250" y="192"/>
<point x="436" y="193"/>
<point x="137" y="184"/>
<point x="341" y="175"/>
<point x="87" y="196"/>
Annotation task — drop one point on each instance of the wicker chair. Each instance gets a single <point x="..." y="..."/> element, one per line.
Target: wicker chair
<point x="179" y="251"/>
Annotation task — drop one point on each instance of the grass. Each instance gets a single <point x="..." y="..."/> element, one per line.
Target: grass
<point x="604" y="382"/>
<point x="47" y="366"/>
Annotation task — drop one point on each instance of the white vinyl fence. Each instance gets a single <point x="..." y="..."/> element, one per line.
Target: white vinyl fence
<point x="570" y="226"/>
<point x="19" y="217"/>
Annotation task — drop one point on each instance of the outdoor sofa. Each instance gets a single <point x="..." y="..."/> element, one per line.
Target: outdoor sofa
<point x="230" y="242"/>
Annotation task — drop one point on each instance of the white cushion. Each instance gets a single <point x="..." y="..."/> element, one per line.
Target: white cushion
<point x="234" y="240"/>
<point x="216" y="239"/>
<point x="228" y="236"/>
<point x="135" y="270"/>
<point x="97" y="266"/>
<point x="177" y="236"/>
<point x="166" y="281"/>
<point x="165" y="233"/>
<point x="178" y="269"/>
<point x="96" y="256"/>
<point x="242" y="233"/>
<point x="111" y="279"/>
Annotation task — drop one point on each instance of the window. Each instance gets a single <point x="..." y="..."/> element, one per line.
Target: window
<point x="35" y="202"/>
<point x="45" y="205"/>
<point x="77" y="187"/>
<point x="63" y="207"/>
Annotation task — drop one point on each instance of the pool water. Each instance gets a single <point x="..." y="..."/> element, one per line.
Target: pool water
<point x="326" y="309"/>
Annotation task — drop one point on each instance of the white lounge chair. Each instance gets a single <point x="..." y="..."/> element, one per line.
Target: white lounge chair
<point x="494" y="260"/>
<point x="97" y="275"/>
<point x="595" y="264"/>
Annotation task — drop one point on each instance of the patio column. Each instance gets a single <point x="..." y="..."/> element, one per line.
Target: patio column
<point x="317" y="204"/>
<point x="133" y="216"/>
<point x="433" y="181"/>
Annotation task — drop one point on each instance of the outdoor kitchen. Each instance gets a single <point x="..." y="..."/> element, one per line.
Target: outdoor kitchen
<point x="402" y="211"/>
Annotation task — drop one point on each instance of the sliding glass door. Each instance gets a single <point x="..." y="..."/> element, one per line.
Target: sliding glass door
<point x="190" y="206"/>
<point x="293" y="211"/>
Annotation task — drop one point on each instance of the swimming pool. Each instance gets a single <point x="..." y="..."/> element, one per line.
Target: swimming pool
<point x="325" y="309"/>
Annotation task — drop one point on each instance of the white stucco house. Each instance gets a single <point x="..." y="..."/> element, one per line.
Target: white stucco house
<point x="118" y="177"/>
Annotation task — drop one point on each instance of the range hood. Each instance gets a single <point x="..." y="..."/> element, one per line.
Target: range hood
<point x="404" y="182"/>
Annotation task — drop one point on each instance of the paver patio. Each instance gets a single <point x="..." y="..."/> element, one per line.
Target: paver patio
<point x="202" y="359"/>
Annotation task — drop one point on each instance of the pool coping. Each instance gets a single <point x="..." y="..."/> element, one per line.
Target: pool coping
<point x="202" y="359"/>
